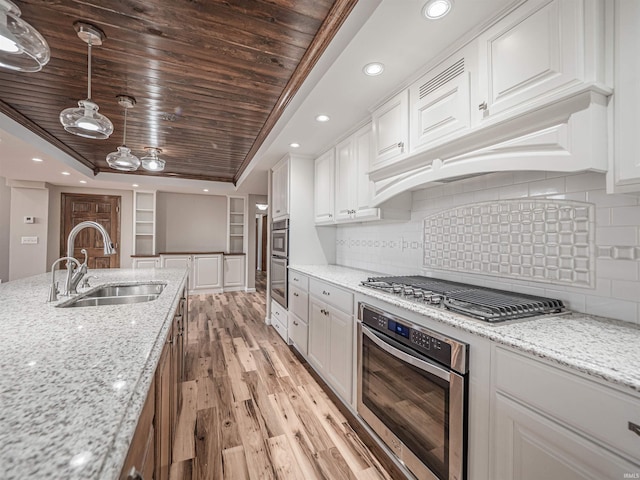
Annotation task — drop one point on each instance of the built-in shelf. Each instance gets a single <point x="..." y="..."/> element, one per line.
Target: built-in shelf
<point x="236" y="224"/>
<point x="144" y="223"/>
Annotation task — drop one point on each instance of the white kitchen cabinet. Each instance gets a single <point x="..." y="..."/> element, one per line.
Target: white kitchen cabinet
<point x="331" y="325"/>
<point x="145" y="262"/>
<point x="280" y="189"/>
<point x="234" y="267"/>
<point x="440" y="104"/>
<point x="345" y="173"/>
<point x="280" y="320"/>
<point x="324" y="188"/>
<point x="298" y="332"/>
<point x="236" y="224"/>
<point x="535" y="50"/>
<point x="175" y="261"/>
<point x="390" y="131"/>
<point x="298" y="311"/>
<point x="624" y="165"/>
<point x="551" y="423"/>
<point x="208" y="272"/>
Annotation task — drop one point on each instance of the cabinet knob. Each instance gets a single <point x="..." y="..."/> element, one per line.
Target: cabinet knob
<point x="277" y="211"/>
<point x="295" y="323"/>
<point x="295" y="294"/>
<point x="330" y="215"/>
<point x="482" y="106"/>
<point x="401" y="145"/>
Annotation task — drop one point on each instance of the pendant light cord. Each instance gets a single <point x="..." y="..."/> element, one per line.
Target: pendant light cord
<point x="124" y="135"/>
<point x="89" y="72"/>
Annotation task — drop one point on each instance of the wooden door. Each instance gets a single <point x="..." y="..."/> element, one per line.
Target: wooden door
<point x="103" y="209"/>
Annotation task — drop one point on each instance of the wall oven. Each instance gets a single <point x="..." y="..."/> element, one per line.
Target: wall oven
<point x="412" y="391"/>
<point x="279" y="261"/>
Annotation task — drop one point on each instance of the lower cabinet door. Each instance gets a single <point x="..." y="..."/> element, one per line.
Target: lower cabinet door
<point x="207" y="272"/>
<point x="298" y="333"/>
<point x="318" y="335"/>
<point x="531" y="446"/>
<point x="163" y="415"/>
<point x="340" y="360"/>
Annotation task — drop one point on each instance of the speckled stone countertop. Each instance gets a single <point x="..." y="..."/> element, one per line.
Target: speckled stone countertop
<point x="607" y="349"/>
<point x="73" y="380"/>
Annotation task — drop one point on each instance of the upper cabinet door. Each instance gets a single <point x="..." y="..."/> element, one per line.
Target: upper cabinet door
<point x="391" y="131"/>
<point x="345" y="175"/>
<point x="439" y="105"/>
<point x="362" y="152"/>
<point x="324" y="188"/>
<point x="531" y="52"/>
<point x="280" y="189"/>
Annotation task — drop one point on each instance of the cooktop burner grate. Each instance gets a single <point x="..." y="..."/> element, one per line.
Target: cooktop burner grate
<point x="486" y="304"/>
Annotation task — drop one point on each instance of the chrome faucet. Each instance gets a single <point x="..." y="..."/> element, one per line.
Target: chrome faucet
<point x="53" y="290"/>
<point x="73" y="278"/>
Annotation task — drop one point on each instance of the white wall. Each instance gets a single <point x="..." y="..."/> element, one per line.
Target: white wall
<point x="28" y="259"/>
<point x="251" y="232"/>
<point x="125" y="247"/>
<point x="5" y="228"/>
<point x="397" y="248"/>
<point x="190" y="223"/>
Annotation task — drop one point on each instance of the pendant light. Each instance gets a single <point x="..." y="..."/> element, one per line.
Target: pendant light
<point x="123" y="159"/>
<point x="85" y="120"/>
<point x="151" y="161"/>
<point x="22" y="48"/>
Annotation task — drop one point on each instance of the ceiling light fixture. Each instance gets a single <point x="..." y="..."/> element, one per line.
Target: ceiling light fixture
<point x="294" y="145"/>
<point x="37" y="160"/>
<point x="373" y="69"/>
<point x="135" y="185"/>
<point x="85" y="120"/>
<point x="205" y="189"/>
<point x="65" y="173"/>
<point x="83" y="181"/>
<point x="22" y="48"/>
<point x="151" y="161"/>
<point x="323" y="118"/>
<point x="262" y="206"/>
<point x="435" y="9"/>
<point x="123" y="159"/>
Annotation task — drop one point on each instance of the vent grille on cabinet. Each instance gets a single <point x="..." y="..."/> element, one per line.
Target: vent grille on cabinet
<point x="436" y="82"/>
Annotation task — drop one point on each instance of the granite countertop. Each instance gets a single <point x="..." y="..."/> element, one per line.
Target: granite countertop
<point x="603" y="348"/>
<point x="73" y="380"/>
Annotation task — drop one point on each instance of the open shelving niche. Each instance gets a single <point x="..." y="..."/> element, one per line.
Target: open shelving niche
<point x="144" y="223"/>
<point x="236" y="221"/>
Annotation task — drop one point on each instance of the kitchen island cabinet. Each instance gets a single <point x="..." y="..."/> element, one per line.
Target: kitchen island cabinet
<point x="76" y="382"/>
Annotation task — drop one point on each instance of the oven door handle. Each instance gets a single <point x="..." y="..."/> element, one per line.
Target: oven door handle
<point x="416" y="362"/>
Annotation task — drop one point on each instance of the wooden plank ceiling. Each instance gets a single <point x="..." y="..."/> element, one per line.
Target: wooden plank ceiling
<point x="211" y="77"/>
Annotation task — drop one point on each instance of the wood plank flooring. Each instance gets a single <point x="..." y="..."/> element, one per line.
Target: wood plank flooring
<point x="251" y="410"/>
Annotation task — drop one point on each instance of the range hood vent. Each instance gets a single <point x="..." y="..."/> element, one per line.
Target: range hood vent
<point x="447" y="75"/>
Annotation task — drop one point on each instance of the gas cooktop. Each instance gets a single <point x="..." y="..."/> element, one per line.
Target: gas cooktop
<point x="487" y="304"/>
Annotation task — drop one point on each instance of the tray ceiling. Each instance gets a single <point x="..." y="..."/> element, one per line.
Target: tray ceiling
<point x="210" y="78"/>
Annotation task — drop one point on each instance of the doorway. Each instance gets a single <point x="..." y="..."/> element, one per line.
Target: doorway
<point x="103" y="209"/>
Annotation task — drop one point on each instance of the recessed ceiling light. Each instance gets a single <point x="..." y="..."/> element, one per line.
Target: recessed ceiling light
<point x="135" y="185"/>
<point x="435" y="9"/>
<point x="35" y="159"/>
<point x="83" y="181"/>
<point x="66" y="173"/>
<point x="373" y="69"/>
<point x="205" y="189"/>
<point x="323" y="118"/>
<point x="294" y="145"/>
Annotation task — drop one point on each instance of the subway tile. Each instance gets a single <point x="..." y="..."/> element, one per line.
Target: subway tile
<point x="603" y="217"/>
<point x="625" y="290"/>
<point x="486" y="195"/>
<point x="435" y="192"/>
<point x="520" y="190"/>
<point x="573" y="196"/>
<point x="603" y="199"/>
<point x="526" y="177"/>
<point x="547" y="187"/>
<point x="617" y="236"/>
<point x="499" y="179"/>
<point x="616" y="269"/>
<point x="625" y="216"/>
<point x="585" y="181"/>
<point x="612" y="308"/>
<point x="419" y="195"/>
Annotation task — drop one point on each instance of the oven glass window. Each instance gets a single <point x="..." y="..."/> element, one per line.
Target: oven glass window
<point x="279" y="280"/>
<point x="279" y="242"/>
<point x="412" y="403"/>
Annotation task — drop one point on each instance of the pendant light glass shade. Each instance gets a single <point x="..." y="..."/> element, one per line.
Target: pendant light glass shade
<point x="123" y="159"/>
<point x="151" y="161"/>
<point x="85" y="121"/>
<point x="22" y="48"/>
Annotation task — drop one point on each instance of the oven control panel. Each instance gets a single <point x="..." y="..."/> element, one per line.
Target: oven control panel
<point x="422" y="340"/>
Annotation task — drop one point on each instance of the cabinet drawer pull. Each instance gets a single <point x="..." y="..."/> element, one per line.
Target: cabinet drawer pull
<point x="295" y="323"/>
<point x="324" y="292"/>
<point x="277" y="313"/>
<point x="134" y="474"/>
<point x="295" y="294"/>
<point x="482" y="106"/>
<point x="634" y="428"/>
<point x="295" y="279"/>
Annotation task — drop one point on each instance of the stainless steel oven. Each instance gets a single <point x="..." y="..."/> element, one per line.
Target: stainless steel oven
<point x="279" y="261"/>
<point x="280" y="238"/>
<point x="412" y="391"/>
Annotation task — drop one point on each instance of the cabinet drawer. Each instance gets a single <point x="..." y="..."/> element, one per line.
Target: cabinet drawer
<point x="341" y="299"/>
<point x="299" y="303"/>
<point x="298" y="333"/>
<point x="299" y="280"/>
<point x="601" y="412"/>
<point x="278" y="312"/>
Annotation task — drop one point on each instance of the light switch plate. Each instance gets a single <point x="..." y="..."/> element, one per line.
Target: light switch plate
<point x="29" y="240"/>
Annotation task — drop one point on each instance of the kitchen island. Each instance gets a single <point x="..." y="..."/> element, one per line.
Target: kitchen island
<point x="73" y="381"/>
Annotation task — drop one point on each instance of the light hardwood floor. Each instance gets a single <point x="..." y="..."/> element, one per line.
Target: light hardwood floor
<point x="251" y="410"/>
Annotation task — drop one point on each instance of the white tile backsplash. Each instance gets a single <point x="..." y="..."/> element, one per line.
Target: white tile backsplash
<point x="397" y="248"/>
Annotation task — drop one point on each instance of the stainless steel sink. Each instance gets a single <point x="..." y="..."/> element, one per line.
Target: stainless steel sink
<point x="117" y="295"/>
